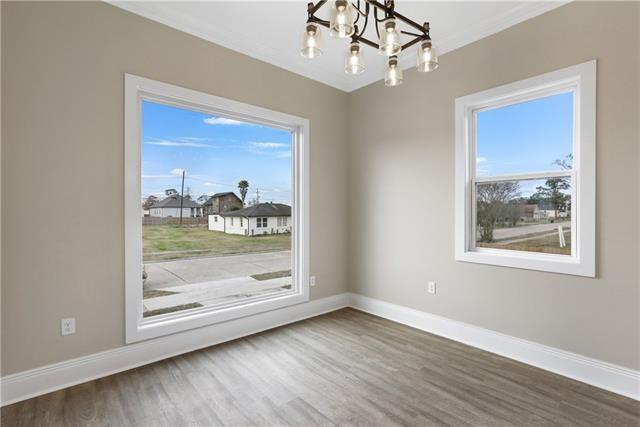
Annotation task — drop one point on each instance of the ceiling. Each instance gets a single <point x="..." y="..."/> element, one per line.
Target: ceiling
<point x="271" y="31"/>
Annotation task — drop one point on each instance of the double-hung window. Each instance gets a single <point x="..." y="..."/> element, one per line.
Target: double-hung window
<point x="525" y="173"/>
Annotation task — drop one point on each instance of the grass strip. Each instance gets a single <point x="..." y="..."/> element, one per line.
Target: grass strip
<point x="272" y="275"/>
<point x="175" y="308"/>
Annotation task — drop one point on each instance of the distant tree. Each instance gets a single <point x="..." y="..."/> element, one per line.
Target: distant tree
<point x="187" y="193"/>
<point x="554" y="190"/>
<point x="243" y="187"/>
<point x="565" y="163"/>
<point x="170" y="191"/>
<point x="202" y="199"/>
<point x="513" y="211"/>
<point x="150" y="201"/>
<point x="491" y="201"/>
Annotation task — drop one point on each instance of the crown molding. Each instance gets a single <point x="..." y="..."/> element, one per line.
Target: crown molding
<point x="240" y="42"/>
<point x="237" y="41"/>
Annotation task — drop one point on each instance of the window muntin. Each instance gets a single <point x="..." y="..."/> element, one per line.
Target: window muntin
<point x="570" y="127"/>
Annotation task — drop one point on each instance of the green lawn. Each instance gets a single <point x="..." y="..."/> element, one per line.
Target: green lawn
<point x="167" y="242"/>
<point x="547" y="244"/>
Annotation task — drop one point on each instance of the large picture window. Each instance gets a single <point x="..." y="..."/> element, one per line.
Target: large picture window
<point x="525" y="173"/>
<point x="203" y="176"/>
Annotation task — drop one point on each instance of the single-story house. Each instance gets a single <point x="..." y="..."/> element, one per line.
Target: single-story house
<point x="262" y="218"/>
<point x="170" y="208"/>
<point x="222" y="202"/>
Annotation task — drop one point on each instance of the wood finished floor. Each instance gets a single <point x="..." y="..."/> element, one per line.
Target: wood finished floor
<point x="342" y="368"/>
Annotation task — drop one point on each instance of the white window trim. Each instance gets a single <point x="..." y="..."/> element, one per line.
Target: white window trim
<point x="581" y="79"/>
<point x="139" y="88"/>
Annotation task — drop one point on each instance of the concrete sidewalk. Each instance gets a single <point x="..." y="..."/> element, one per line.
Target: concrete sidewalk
<point x="215" y="280"/>
<point x="218" y="291"/>
<point x="168" y="274"/>
<point x="517" y="232"/>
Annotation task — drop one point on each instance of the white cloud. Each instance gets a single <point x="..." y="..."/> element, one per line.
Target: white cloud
<point x="176" y="172"/>
<point x="223" y="121"/>
<point x="192" y="138"/>
<point x="164" y="143"/>
<point x="481" y="159"/>
<point x="268" y="144"/>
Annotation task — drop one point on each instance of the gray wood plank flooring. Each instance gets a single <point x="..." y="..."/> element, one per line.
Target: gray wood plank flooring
<point x="342" y="368"/>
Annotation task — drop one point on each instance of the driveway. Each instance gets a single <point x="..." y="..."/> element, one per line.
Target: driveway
<point x="167" y="274"/>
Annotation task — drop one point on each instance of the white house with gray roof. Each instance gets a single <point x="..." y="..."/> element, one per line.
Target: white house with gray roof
<point x="263" y="218"/>
<point x="170" y="208"/>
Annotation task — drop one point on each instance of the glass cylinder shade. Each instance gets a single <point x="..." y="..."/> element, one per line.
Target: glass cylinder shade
<point x="427" y="57"/>
<point x="392" y="73"/>
<point x="311" y="46"/>
<point x="390" y="39"/>
<point x="341" y="19"/>
<point x="354" y="63"/>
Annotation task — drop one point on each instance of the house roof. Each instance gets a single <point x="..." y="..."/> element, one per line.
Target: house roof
<point x="173" y="201"/>
<point x="223" y="194"/>
<point x="215" y="196"/>
<point x="262" y="209"/>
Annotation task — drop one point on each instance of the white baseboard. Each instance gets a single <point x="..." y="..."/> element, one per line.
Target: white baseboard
<point x="600" y="374"/>
<point x="38" y="381"/>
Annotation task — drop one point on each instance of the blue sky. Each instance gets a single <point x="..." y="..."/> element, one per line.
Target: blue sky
<point x="215" y="152"/>
<point x="525" y="137"/>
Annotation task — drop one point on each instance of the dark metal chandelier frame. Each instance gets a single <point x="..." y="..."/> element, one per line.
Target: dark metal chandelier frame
<point x="388" y="12"/>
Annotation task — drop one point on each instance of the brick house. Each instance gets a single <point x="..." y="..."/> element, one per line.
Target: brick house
<point x="222" y="202"/>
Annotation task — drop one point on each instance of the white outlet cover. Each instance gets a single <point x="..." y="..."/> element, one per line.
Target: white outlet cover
<point x="312" y="281"/>
<point x="431" y="287"/>
<point x="68" y="326"/>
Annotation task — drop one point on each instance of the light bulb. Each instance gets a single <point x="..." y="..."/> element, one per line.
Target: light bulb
<point x="392" y="72"/>
<point x="354" y="63"/>
<point x="390" y="39"/>
<point x="427" y="57"/>
<point x="341" y="19"/>
<point x="311" y="46"/>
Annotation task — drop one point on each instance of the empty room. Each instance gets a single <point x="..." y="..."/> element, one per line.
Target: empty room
<point x="334" y="213"/>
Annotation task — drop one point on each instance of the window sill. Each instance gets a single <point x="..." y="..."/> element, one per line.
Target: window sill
<point x="181" y="321"/>
<point x="551" y="263"/>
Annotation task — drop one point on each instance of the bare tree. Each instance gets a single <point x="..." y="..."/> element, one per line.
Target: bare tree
<point x="513" y="211"/>
<point x="150" y="201"/>
<point x="491" y="201"/>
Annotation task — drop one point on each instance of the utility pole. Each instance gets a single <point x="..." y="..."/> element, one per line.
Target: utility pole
<point x="182" y="196"/>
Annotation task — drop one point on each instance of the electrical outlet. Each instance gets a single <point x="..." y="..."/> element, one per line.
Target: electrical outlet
<point x="312" y="281"/>
<point x="431" y="287"/>
<point x="68" y="326"/>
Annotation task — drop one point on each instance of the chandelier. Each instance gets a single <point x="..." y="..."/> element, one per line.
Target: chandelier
<point x="342" y="24"/>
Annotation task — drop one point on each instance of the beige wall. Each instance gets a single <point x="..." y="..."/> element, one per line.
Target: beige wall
<point x="62" y="89"/>
<point x="402" y="143"/>
<point x="62" y="84"/>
